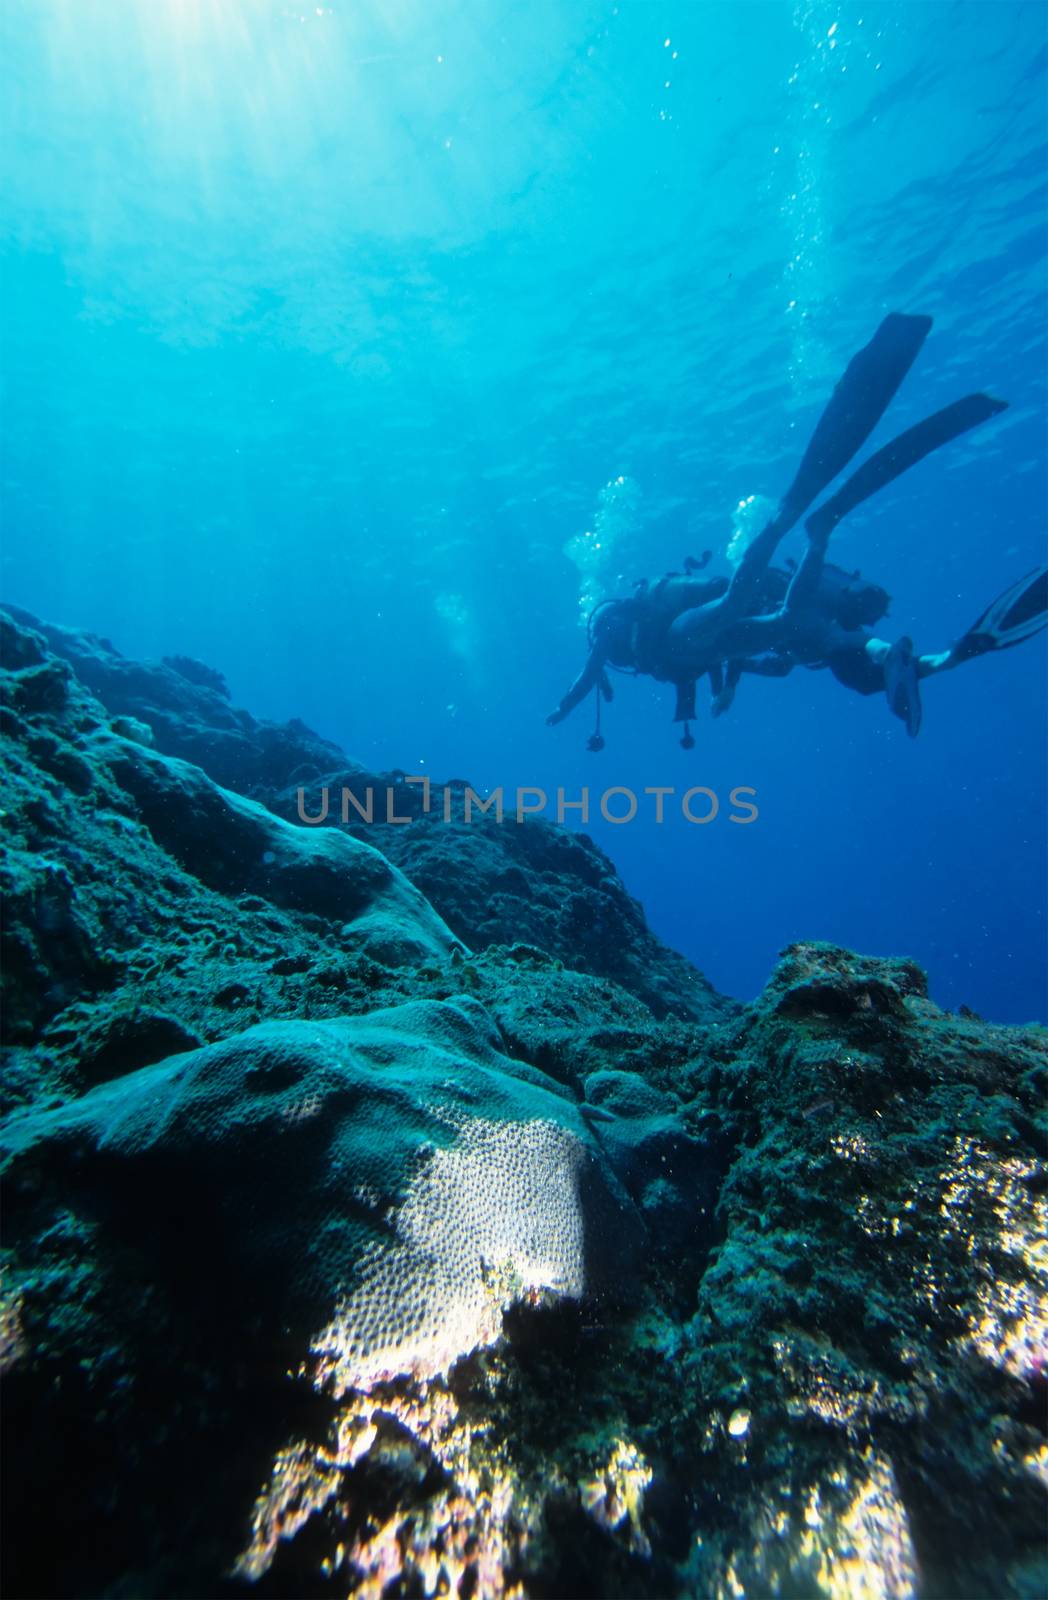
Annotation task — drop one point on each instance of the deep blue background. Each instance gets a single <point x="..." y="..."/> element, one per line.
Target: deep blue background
<point x="324" y="328"/>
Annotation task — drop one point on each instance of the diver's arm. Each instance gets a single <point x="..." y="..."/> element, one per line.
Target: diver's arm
<point x="769" y="666"/>
<point x="591" y="675"/>
<point x="723" y="678"/>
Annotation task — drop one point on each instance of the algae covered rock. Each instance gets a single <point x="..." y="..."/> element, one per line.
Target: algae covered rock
<point x="666" y="1166"/>
<point x="492" y="883"/>
<point x="435" y="1182"/>
<point x="341" y="1260"/>
<point x="362" y="1200"/>
<point x="185" y="705"/>
<point x="146" y="909"/>
<point x="865" y="1363"/>
<point x="538" y="883"/>
<point x="237" y="847"/>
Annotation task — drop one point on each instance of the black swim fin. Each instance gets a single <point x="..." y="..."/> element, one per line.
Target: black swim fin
<point x="854" y="409"/>
<point x="857" y="404"/>
<point x="901" y="685"/>
<point x="899" y="455"/>
<point x="1017" y="614"/>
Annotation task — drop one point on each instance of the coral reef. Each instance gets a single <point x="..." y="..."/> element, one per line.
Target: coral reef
<point x="360" y="1241"/>
<point x="533" y="883"/>
<point x="437" y="1182"/>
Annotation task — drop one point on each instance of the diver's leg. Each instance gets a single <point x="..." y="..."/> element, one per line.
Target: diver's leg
<point x="808" y="576"/>
<point x="863" y="394"/>
<point x="873" y="666"/>
<point x="901" y="685"/>
<point x="889" y="463"/>
<point x="881" y="469"/>
<point x="736" y="636"/>
<point x="876" y="665"/>
<point x="936" y="661"/>
<point x="765" y="666"/>
<point x="861" y="666"/>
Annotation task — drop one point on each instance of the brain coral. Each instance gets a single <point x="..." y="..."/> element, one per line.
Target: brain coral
<point x="393" y="1180"/>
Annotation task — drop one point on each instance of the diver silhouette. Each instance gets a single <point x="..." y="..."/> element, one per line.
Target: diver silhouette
<point x="768" y="621"/>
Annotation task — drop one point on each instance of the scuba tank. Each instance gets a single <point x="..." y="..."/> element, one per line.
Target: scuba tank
<point x="850" y="599"/>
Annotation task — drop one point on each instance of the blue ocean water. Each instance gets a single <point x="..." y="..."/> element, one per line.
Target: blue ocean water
<point x="331" y="330"/>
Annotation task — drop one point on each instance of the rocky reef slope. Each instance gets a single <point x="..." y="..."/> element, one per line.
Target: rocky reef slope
<point x="534" y="883"/>
<point x="387" y="1213"/>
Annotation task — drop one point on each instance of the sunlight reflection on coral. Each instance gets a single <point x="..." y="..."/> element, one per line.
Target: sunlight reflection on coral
<point x="854" y="1548"/>
<point x="1009" y="1325"/>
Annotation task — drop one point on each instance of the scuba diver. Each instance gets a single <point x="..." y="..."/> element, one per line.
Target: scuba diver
<point x="764" y="620"/>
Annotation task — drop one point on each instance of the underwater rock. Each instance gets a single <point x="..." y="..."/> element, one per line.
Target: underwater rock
<point x="237" y="847"/>
<point x="135" y="888"/>
<point x="426" y="1184"/>
<point x="540" y="884"/>
<point x="866" y="1361"/>
<point x="816" y="980"/>
<point x="122" y="1039"/>
<point x="186" y="706"/>
<point x="567" y="1023"/>
<point x="533" y="882"/>
<point x="440" y="1179"/>
<point x="199" y="673"/>
<point x="667" y="1170"/>
<point x="755" y="1304"/>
